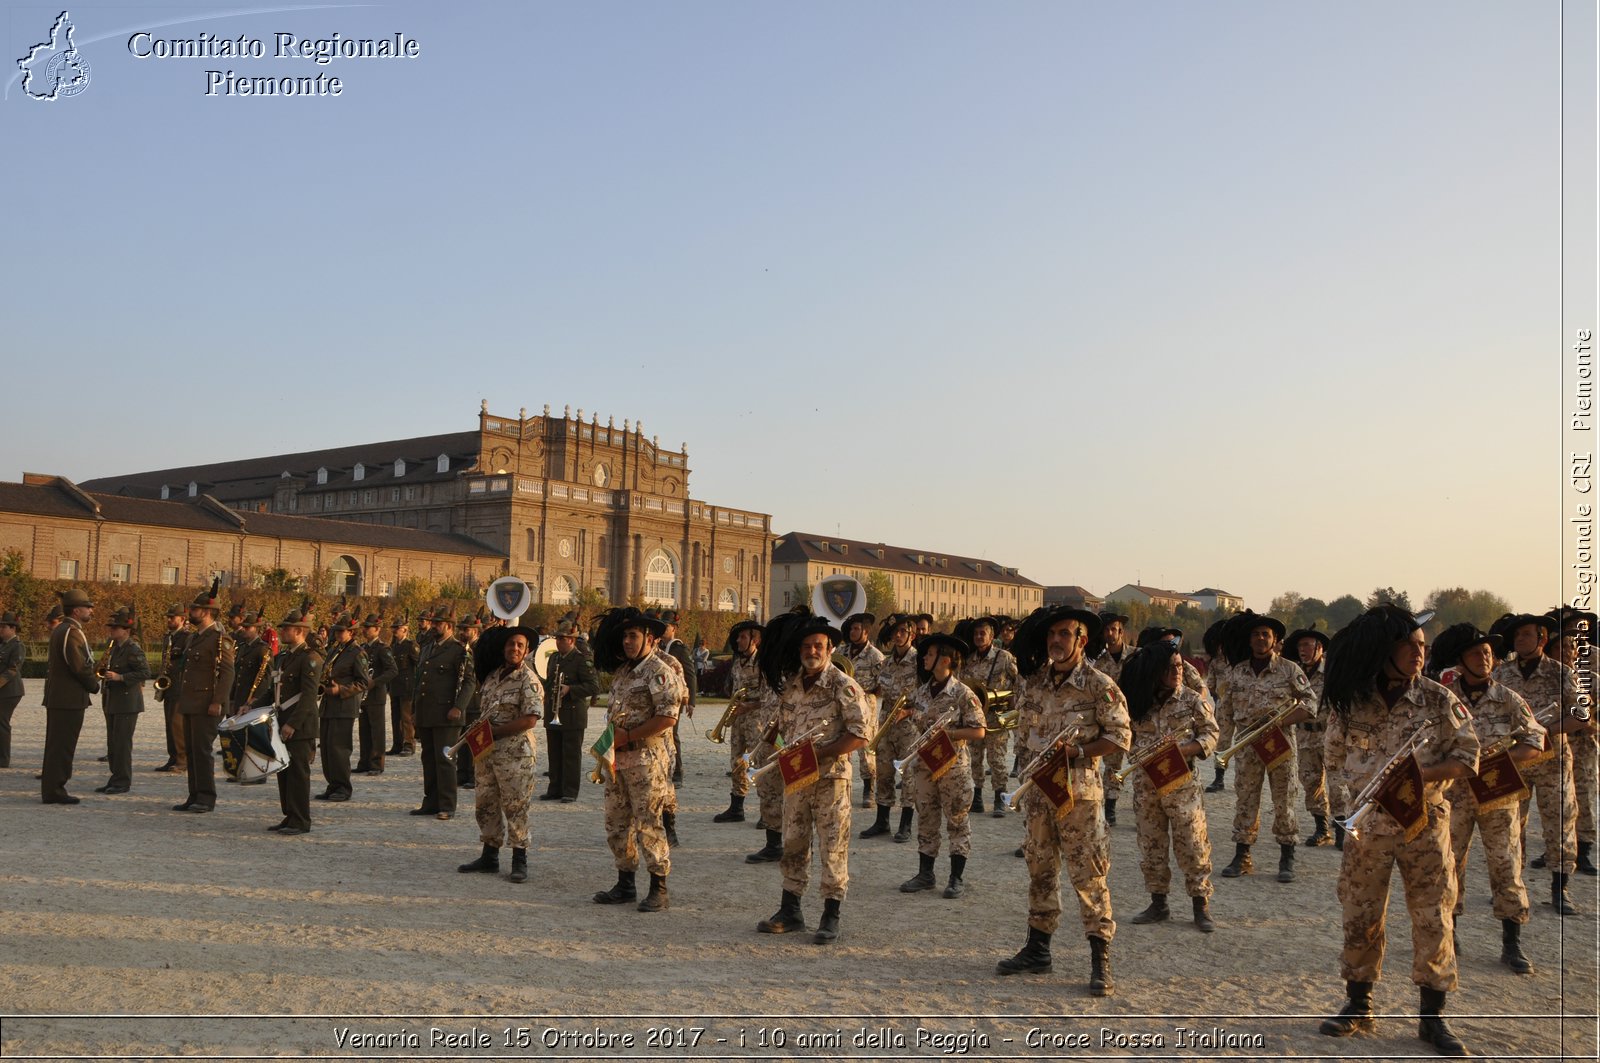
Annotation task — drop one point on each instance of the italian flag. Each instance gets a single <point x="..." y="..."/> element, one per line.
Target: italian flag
<point x="604" y="760"/>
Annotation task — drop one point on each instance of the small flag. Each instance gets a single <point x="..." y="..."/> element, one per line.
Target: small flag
<point x="480" y="739"/>
<point x="798" y="763"/>
<point x="605" y="762"/>
<point x="938" y="754"/>
<point x="1273" y="748"/>
<point x="1052" y="780"/>
<point x="1402" y="797"/>
<point x="1167" y="770"/>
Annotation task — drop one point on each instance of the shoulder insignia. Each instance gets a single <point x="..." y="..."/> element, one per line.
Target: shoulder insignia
<point x="1458" y="713"/>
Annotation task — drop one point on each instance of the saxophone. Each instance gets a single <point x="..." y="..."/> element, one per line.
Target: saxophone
<point x="261" y="673"/>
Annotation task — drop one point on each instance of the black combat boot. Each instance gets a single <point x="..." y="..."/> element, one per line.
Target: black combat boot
<point x="1538" y="862"/>
<point x="903" y="833"/>
<point x="1111" y="811"/>
<point x="623" y="892"/>
<point x="1202" y="915"/>
<point x="866" y="790"/>
<point x="1286" y="862"/>
<point x="1338" y="834"/>
<point x="1100" y="982"/>
<point x="734" y="813"/>
<point x="1511" y="947"/>
<point x="954" y="888"/>
<point x="1242" y="864"/>
<point x="1558" y="895"/>
<point x="828" y="928"/>
<point x="880" y="826"/>
<point x="1431" y="1027"/>
<point x="519" y="865"/>
<point x="489" y="862"/>
<point x="977" y="802"/>
<point x="787" y="919"/>
<point x="999" y="804"/>
<point x="772" y="851"/>
<point x="656" y="900"/>
<point x="669" y="823"/>
<point x="1158" y="912"/>
<point x="1586" y="858"/>
<point x="1216" y="786"/>
<point x="1320" y="835"/>
<point x="923" y="879"/>
<point x="1356" y="1013"/>
<point x="1034" y="957"/>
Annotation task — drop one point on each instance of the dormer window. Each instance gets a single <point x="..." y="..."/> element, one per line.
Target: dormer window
<point x="399" y="467"/>
<point x="444" y="463"/>
<point x="166" y="492"/>
<point x="322" y="474"/>
<point x="360" y="471"/>
<point x="194" y="489"/>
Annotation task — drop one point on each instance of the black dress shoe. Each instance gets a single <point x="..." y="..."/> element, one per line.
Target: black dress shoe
<point x="569" y="800"/>
<point x="278" y="826"/>
<point x="289" y="832"/>
<point x="374" y="771"/>
<point x="199" y="809"/>
<point x="102" y="759"/>
<point x="395" y="752"/>
<point x="549" y="797"/>
<point x="67" y="800"/>
<point x="168" y="766"/>
<point x="422" y="811"/>
<point x="109" y="789"/>
<point x="321" y="797"/>
<point x="338" y="797"/>
<point x="182" y="808"/>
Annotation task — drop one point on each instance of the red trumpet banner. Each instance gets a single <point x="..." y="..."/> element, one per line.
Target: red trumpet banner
<point x="1401" y="797"/>
<point x="1273" y="748"/>
<point x="938" y="754"/>
<point x="798" y="765"/>
<point x="1167" y="770"/>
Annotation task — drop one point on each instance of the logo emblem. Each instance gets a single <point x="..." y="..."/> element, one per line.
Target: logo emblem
<point x="508" y="597"/>
<point x="843" y="596"/>
<point x="55" y="69"/>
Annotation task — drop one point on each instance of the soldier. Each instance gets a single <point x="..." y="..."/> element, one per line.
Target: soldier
<point x="1548" y="687"/>
<point x="743" y="732"/>
<point x="1579" y="654"/>
<point x="865" y="659"/>
<point x="996" y="670"/>
<point x="1071" y="706"/>
<point x="173" y="643"/>
<point x="12" y="653"/>
<point x="1379" y="702"/>
<point x="1216" y="666"/>
<point x="819" y="701"/>
<point x="511" y="698"/>
<point x="645" y="696"/>
<point x="568" y="709"/>
<point x="944" y="702"/>
<point x="673" y="646"/>
<point x="68" y="684"/>
<point x="1259" y="685"/>
<point x="403" y="725"/>
<point x="445" y="686"/>
<point x="896" y="678"/>
<point x="252" y="658"/>
<point x="466" y="770"/>
<point x="295" y="677"/>
<point x="122" y="699"/>
<point x="1162" y="708"/>
<point x="374" y="709"/>
<point x="345" y="679"/>
<point x="1500" y="719"/>
<point x="205" y="682"/>
<point x="1309" y="647"/>
<point x="1114" y="633"/>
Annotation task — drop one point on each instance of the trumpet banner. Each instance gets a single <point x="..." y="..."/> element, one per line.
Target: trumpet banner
<point x="1498" y="783"/>
<point x="480" y="738"/>
<point x="1167" y="770"/>
<point x="798" y="765"/>
<point x="1273" y="747"/>
<point x="938" y="754"/>
<point x="1052" y="779"/>
<point x="1401" y="797"/>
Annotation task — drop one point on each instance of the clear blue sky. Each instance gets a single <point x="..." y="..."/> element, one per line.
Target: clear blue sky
<point x="977" y="278"/>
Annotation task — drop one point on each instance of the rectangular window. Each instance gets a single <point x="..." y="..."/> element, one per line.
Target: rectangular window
<point x="600" y="553"/>
<point x="394" y="494"/>
<point x="169" y="575"/>
<point x="500" y="484"/>
<point x="477" y="487"/>
<point x="386" y="589"/>
<point x="66" y="570"/>
<point x="367" y="497"/>
<point x="121" y="573"/>
<point x="533" y="545"/>
<point x="411" y="494"/>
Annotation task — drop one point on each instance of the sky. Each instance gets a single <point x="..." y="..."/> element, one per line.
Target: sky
<point x="1248" y="295"/>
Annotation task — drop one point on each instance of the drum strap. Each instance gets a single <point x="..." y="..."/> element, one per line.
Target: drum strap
<point x="291" y="703"/>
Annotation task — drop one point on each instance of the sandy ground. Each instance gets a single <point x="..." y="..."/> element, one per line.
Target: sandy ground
<point x="130" y="930"/>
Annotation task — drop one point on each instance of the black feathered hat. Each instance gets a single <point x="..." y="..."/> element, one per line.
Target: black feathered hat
<point x="743" y="625"/>
<point x="489" y="654"/>
<point x="1108" y="615"/>
<point x="865" y="619"/>
<point x="1293" y="641"/>
<point x="960" y="647"/>
<point x="605" y="634"/>
<point x="1212" y="639"/>
<point x="1357" y="653"/>
<point x="1031" y="646"/>
<point x="1157" y="633"/>
<point x="1456" y="640"/>
<point x="1512" y="622"/>
<point x="1141" y="677"/>
<point x="1236" y="634"/>
<point x="779" y="654"/>
<point x="892" y="621"/>
<point x="1568" y="616"/>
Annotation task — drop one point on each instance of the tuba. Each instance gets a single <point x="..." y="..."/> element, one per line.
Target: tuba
<point x="718" y="733"/>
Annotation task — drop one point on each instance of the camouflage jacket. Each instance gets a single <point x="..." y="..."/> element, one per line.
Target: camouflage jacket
<point x="1083" y="705"/>
<point x="955" y="698"/>
<point x="1248" y="698"/>
<point x="835" y="704"/>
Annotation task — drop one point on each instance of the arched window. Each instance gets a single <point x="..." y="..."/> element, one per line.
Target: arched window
<point x="727" y="601"/>
<point x="562" y="591"/>
<point x="661" y="579"/>
<point x="344" y="576"/>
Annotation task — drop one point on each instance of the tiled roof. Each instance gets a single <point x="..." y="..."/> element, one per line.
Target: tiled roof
<point x="800" y="547"/>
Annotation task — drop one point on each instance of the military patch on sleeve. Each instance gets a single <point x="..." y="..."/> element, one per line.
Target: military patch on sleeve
<point x="1458" y="713"/>
<point x="1301" y="682"/>
<point x="659" y="681"/>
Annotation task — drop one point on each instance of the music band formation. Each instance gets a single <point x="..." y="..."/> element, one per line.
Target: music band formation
<point x="1401" y="752"/>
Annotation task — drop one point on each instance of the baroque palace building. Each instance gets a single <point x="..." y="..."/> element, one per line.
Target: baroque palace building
<point x="568" y="505"/>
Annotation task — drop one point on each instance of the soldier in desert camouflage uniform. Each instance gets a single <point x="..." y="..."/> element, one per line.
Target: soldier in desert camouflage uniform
<point x="1309" y="648"/>
<point x="996" y="670"/>
<point x="946" y="701"/>
<point x="896" y="676"/>
<point x="1067" y="701"/>
<point x="865" y="660"/>
<point x="743" y="732"/>
<point x="1378" y="701"/>
<point x="1118" y="650"/>
<point x="509" y="698"/>
<point x="1578" y="652"/>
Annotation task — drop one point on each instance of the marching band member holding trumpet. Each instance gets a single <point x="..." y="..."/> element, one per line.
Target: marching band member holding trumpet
<point x="1502" y="722"/>
<point x="297" y="672"/>
<point x="1261" y="684"/>
<point x="945" y="708"/>
<point x="1543" y="681"/>
<point x="1380" y="708"/>
<point x="445" y="686"/>
<point x="819" y="699"/>
<point x="743" y="732"/>
<point x="510" y="699"/>
<point x="1068" y="704"/>
<point x="1172" y="725"/>
<point x="122" y="699"/>
<point x="346" y="678"/>
<point x="865" y="660"/>
<point x="893" y="683"/>
<point x="568" y="704"/>
<point x="996" y="669"/>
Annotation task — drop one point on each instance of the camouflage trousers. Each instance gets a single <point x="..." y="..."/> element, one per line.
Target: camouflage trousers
<point x="744" y="736"/>
<point x="505" y="779"/>
<point x="1178" y="820"/>
<point x="1248" y="783"/>
<point x="1551" y="783"/>
<point x="895" y="745"/>
<point x="1080" y="838"/>
<point x="1585" y="782"/>
<point x="1502" y="851"/>
<point x="991" y="754"/>
<point x="867" y="763"/>
<point x="947" y="799"/>
<point x="1108" y="774"/>
<point x="1427" y="874"/>
<point x="769" y="788"/>
<point x="822" y="807"/>
<point x="636" y="795"/>
<point x="1313" y="780"/>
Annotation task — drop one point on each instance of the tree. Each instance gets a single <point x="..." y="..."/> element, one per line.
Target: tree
<point x="1312" y="611"/>
<point x="880" y="593"/>
<point x="1342" y="610"/>
<point x="1456" y="605"/>
<point x="1380" y="595"/>
<point x="1285" y="605"/>
<point x="276" y="579"/>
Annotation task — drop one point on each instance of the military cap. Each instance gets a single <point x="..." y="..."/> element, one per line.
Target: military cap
<point x="866" y="619"/>
<point x="295" y="619"/>
<point x="567" y="630"/>
<point x="992" y="621"/>
<point x="949" y="642"/>
<point x="667" y="616"/>
<point x="74" y="599"/>
<point x="9" y="620"/>
<point x="343" y="623"/>
<point x="250" y="618"/>
<point x="55" y="612"/>
<point x="471" y="622"/>
<point x="237" y="612"/>
<point x="442" y="616"/>
<point x="121" y="618"/>
<point x="1249" y="620"/>
<point x="917" y="618"/>
<point x="1456" y="640"/>
<point x="1293" y="641"/>
<point x="399" y="622"/>
<point x="372" y="620"/>
<point x="206" y="600"/>
<point x="1157" y="633"/>
<point x="818" y="625"/>
<point x="652" y="625"/>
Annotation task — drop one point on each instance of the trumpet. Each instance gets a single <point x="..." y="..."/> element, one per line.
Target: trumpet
<point x="1010" y="799"/>
<point x="718" y="733"/>
<point x="162" y="683"/>
<point x="1007" y="719"/>
<point x="888" y="721"/>
<point x="923" y="739"/>
<point x="1367" y="799"/>
<point x="772" y="761"/>
<point x="1150" y="752"/>
<point x="104" y="666"/>
<point x="1254" y="733"/>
